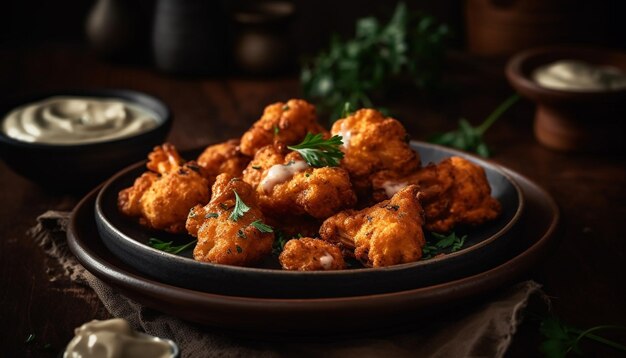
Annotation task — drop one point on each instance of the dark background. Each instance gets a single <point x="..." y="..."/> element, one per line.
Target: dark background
<point x="38" y="22"/>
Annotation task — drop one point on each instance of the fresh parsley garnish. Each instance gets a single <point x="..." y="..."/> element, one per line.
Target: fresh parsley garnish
<point x="408" y="46"/>
<point x="239" y="209"/>
<point x="470" y="138"/>
<point x="443" y="244"/>
<point x="168" y="247"/>
<point x="211" y="215"/>
<point x="276" y="130"/>
<point x="259" y="225"/>
<point x="347" y="110"/>
<point x="320" y="152"/>
<point x="279" y="242"/>
<point x="561" y="339"/>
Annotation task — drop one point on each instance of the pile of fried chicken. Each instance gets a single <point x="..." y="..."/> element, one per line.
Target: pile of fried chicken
<point x="372" y="204"/>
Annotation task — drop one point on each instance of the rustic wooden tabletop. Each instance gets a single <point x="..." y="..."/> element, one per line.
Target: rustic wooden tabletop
<point x="584" y="275"/>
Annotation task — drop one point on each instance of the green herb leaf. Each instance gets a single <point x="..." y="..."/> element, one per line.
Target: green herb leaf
<point x="469" y="138"/>
<point x="256" y="167"/>
<point x="168" y="247"/>
<point x="240" y="208"/>
<point x="561" y="339"/>
<point x="320" y="152"/>
<point x="352" y="70"/>
<point x="442" y="244"/>
<point x="211" y="215"/>
<point x="280" y="239"/>
<point x="259" y="225"/>
<point x="347" y="110"/>
<point x="276" y="130"/>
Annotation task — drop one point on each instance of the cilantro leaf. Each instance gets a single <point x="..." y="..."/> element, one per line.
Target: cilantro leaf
<point x="320" y="152"/>
<point x="442" y="244"/>
<point x="240" y="208"/>
<point x="259" y="225"/>
<point x="469" y="138"/>
<point x="168" y="247"/>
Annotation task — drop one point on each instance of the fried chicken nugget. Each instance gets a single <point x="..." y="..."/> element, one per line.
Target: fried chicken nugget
<point x="373" y="142"/>
<point x="221" y="158"/>
<point x="385" y="234"/>
<point x="286" y="123"/>
<point x="224" y="238"/>
<point x="308" y="254"/>
<point x="162" y="197"/>
<point x="287" y="185"/>
<point x="453" y="192"/>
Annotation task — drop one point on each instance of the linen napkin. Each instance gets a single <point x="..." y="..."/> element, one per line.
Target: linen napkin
<point x="484" y="330"/>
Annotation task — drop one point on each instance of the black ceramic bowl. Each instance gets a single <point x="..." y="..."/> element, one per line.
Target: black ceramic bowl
<point x="79" y="166"/>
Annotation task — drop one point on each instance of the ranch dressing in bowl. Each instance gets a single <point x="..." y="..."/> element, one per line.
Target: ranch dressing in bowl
<point x="67" y="120"/>
<point x="573" y="75"/>
<point x="115" y="338"/>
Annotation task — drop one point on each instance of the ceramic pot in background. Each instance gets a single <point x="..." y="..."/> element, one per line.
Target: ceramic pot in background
<point x="567" y="120"/>
<point x="190" y="36"/>
<point x="112" y="28"/>
<point x="262" y="43"/>
<point x="504" y="27"/>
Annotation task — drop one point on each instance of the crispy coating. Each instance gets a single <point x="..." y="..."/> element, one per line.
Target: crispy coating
<point x="221" y="239"/>
<point x="385" y="234"/>
<point x="223" y="158"/>
<point x="308" y="254"/>
<point x="373" y="142"/>
<point x="286" y="185"/>
<point x="286" y="123"/>
<point x="162" y="197"/>
<point x="453" y="192"/>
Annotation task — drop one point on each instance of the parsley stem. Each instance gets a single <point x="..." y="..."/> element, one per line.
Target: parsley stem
<point x="587" y="334"/>
<point x="493" y="117"/>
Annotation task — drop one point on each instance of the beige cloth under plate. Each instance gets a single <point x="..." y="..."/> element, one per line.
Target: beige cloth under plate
<point x="483" y="330"/>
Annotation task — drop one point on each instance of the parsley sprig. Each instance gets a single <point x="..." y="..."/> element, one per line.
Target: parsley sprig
<point x="168" y="247"/>
<point x="240" y="208"/>
<point x="407" y="46"/>
<point x="470" y="138"/>
<point x="561" y="338"/>
<point x="259" y="225"/>
<point x="320" y="152"/>
<point x="444" y="244"/>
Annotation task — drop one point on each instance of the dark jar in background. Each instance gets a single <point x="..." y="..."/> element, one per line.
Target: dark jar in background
<point x="190" y="36"/>
<point x="262" y="38"/>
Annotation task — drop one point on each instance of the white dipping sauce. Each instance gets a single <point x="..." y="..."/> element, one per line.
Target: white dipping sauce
<point x="572" y="75"/>
<point x="280" y="173"/>
<point x="327" y="260"/>
<point x="77" y="120"/>
<point x="345" y="135"/>
<point x="391" y="188"/>
<point x="115" y="338"/>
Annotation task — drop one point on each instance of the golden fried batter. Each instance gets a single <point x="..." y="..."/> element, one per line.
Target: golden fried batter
<point x="162" y="198"/>
<point x="223" y="158"/>
<point x="286" y="123"/>
<point x="286" y="185"/>
<point x="308" y="254"/>
<point x="454" y="192"/>
<point x="385" y="234"/>
<point x="373" y="142"/>
<point x="221" y="238"/>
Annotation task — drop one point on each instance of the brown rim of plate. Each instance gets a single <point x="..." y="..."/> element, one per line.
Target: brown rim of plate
<point x="244" y="313"/>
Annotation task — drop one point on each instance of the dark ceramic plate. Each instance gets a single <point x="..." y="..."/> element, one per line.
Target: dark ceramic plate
<point x="535" y="230"/>
<point x="486" y="246"/>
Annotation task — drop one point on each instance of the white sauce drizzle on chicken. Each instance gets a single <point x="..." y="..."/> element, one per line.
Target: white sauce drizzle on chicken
<point x="345" y="135"/>
<point x="280" y="173"/>
<point x="327" y="260"/>
<point x="391" y="188"/>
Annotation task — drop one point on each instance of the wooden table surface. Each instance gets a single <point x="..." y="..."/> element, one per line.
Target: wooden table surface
<point x="584" y="276"/>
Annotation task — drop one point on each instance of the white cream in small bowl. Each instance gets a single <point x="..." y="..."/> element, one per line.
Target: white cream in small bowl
<point x="579" y="76"/>
<point x="115" y="338"/>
